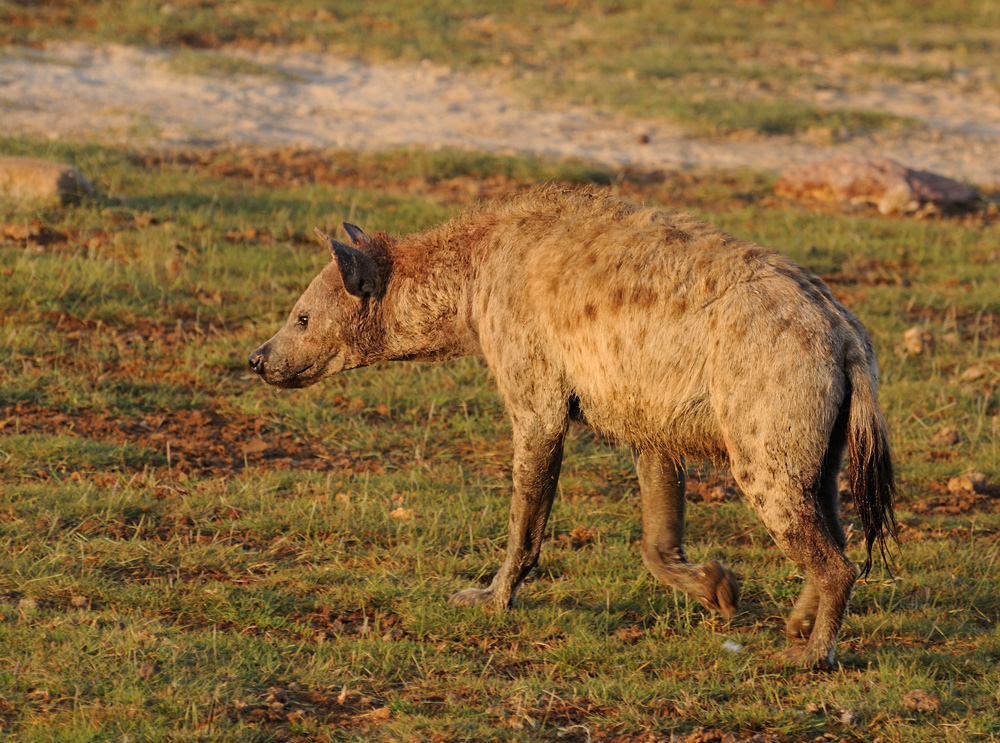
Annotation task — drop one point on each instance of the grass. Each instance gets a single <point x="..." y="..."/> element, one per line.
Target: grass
<point x="215" y="64"/>
<point x="189" y="556"/>
<point x="648" y="59"/>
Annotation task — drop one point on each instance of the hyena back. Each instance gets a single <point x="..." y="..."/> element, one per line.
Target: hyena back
<point x="660" y="331"/>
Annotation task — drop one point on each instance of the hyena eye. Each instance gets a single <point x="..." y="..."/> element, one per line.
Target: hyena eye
<point x="303" y="321"/>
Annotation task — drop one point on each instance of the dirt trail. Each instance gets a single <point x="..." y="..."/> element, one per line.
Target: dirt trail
<point x="127" y="95"/>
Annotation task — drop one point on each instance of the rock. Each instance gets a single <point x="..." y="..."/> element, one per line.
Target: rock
<point x="921" y="701"/>
<point x="352" y="698"/>
<point x="974" y="482"/>
<point x="946" y="436"/>
<point x="630" y="635"/>
<point x="973" y="374"/>
<point x="30" y="179"/>
<point x="849" y="716"/>
<point x="917" y="341"/>
<point x="276" y="694"/>
<point x="379" y="714"/>
<point x="844" y="714"/>
<point x="889" y="185"/>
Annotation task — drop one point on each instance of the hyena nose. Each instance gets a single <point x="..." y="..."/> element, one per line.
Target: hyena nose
<point x="257" y="361"/>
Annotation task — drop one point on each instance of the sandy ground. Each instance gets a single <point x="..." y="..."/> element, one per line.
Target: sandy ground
<point x="126" y="95"/>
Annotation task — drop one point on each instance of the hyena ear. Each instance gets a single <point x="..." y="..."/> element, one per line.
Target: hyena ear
<point x="357" y="269"/>
<point x="358" y="237"/>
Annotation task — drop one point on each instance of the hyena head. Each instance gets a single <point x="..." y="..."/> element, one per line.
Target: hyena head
<point x="325" y="331"/>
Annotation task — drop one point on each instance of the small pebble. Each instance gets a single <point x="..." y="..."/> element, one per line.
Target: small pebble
<point x="148" y="670"/>
<point x="921" y="701"/>
<point x="918" y="341"/>
<point x="732" y="647"/>
<point x="947" y="436"/>
<point x="849" y="716"/>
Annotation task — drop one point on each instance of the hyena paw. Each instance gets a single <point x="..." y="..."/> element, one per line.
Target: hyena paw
<point x="477" y="597"/>
<point x="719" y="590"/>
<point x="805" y="657"/>
<point x="798" y="630"/>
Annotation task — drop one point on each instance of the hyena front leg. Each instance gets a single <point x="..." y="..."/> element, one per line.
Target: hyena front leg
<point x="661" y="485"/>
<point x="538" y="447"/>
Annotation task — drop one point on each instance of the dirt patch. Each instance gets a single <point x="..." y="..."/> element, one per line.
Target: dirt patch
<point x="178" y="328"/>
<point x="867" y="271"/>
<point x="715" y="191"/>
<point x="32" y="232"/>
<point x="132" y="96"/>
<point x="280" y="709"/>
<point x="944" y="499"/>
<point x="968" y="323"/>
<point x="204" y="443"/>
<point x="329" y="623"/>
<point x="289" y="167"/>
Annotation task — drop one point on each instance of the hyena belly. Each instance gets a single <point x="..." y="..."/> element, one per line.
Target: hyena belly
<point x="643" y="382"/>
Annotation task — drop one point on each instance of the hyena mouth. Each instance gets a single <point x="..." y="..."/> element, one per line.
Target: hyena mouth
<point x="293" y="380"/>
<point x="297" y="376"/>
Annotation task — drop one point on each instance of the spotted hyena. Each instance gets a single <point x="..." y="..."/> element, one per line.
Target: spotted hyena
<point x="658" y="330"/>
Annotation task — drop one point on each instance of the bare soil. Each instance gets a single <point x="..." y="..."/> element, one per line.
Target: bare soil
<point x="135" y="97"/>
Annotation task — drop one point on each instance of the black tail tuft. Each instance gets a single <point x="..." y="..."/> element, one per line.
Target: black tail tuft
<point x="873" y="483"/>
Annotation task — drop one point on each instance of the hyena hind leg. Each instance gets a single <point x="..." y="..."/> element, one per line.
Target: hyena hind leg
<point x="799" y="528"/>
<point x="661" y="486"/>
<point x="802" y="618"/>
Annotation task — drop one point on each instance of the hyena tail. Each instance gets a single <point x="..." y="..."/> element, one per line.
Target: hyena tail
<point x="873" y="484"/>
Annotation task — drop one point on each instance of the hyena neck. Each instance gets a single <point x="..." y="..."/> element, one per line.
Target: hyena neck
<point x="424" y="311"/>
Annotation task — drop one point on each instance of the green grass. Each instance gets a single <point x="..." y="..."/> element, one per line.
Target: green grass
<point x="646" y="58"/>
<point x="479" y="31"/>
<point x="189" y="556"/>
<point x="215" y="64"/>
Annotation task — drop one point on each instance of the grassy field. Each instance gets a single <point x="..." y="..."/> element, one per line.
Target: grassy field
<point x="716" y="66"/>
<point x="189" y="556"/>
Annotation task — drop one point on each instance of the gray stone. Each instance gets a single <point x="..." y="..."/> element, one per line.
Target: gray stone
<point x="889" y="185"/>
<point x="32" y="179"/>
